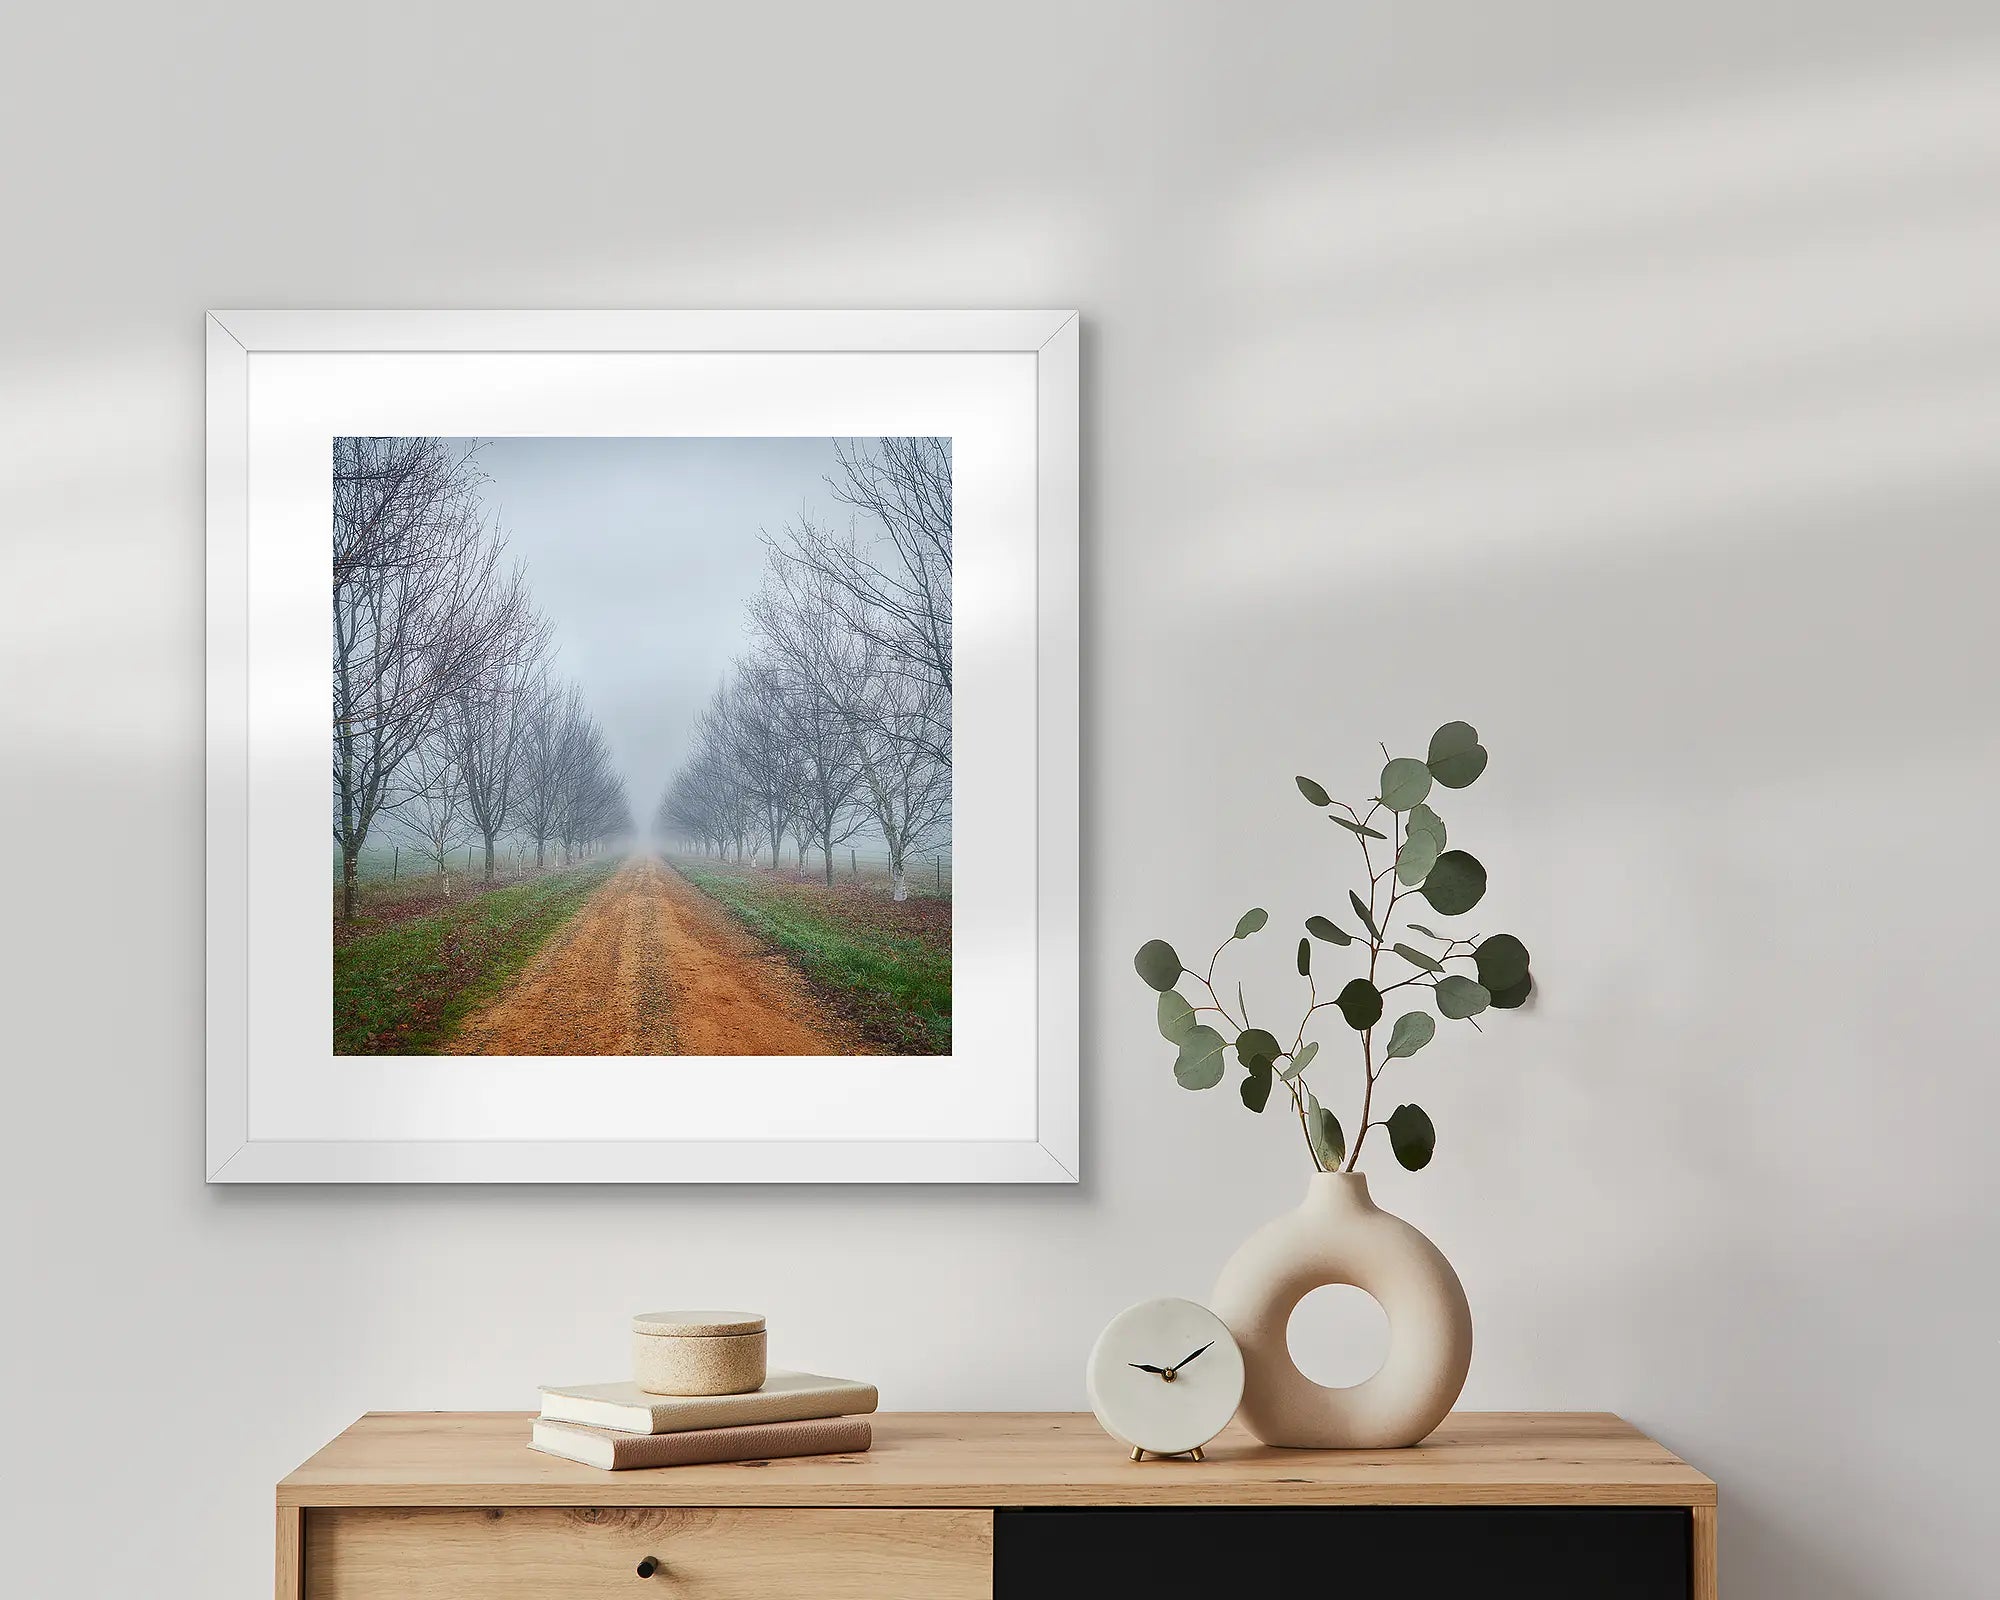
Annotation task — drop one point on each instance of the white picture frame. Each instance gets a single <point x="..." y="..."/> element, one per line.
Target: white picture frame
<point x="258" y="364"/>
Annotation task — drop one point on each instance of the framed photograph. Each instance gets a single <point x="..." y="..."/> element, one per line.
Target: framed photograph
<point x="642" y="747"/>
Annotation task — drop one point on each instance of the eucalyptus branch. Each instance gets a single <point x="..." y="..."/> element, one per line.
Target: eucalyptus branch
<point x="1451" y="881"/>
<point x="1215" y="1001"/>
<point x="1208" y="977"/>
<point x="1368" y="1034"/>
<point x="1305" y="1127"/>
<point x="1367" y="1097"/>
<point x="1312" y="1005"/>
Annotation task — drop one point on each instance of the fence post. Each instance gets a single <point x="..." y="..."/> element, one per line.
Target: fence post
<point x="937" y="873"/>
<point x="853" y="871"/>
<point x="396" y="864"/>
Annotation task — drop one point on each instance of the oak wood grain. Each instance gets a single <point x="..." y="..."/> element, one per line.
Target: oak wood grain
<point x="291" y="1553"/>
<point x="1702" y="1555"/>
<point x="591" y="1554"/>
<point x="981" y="1459"/>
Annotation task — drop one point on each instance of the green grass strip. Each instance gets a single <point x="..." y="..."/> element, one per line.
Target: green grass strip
<point x="896" y="987"/>
<point x="405" y="990"/>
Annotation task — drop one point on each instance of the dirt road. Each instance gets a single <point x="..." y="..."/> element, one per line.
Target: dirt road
<point x="651" y="966"/>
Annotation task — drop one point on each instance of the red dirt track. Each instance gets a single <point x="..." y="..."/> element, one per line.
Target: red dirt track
<point x="650" y="966"/>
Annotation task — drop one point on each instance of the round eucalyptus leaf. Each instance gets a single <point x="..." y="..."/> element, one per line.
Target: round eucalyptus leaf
<point x="1313" y="792"/>
<point x="1331" y="1139"/>
<point x="1301" y="1061"/>
<point x="1459" y="997"/>
<point x="1455" y="884"/>
<point x="1361" y="910"/>
<point x="1250" y="922"/>
<point x="1176" y="1016"/>
<point x="1515" y="995"/>
<point x="1502" y="960"/>
<point x="1413" y="1030"/>
<point x="1157" y="964"/>
<point x="1256" y="1090"/>
<point x="1199" y="1065"/>
<point x="1415" y="860"/>
<point x="1424" y="820"/>
<point x="1412" y="1137"/>
<point x="1329" y="1144"/>
<point x="1361" y="1004"/>
<point x="1365" y="831"/>
<point x="1405" y="783"/>
<point x="1305" y="958"/>
<point x="1456" y="755"/>
<point x="1256" y="1048"/>
<point x="1417" y="958"/>
<point x="1320" y="928"/>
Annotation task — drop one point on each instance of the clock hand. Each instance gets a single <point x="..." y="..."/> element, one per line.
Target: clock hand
<point x="1184" y="1360"/>
<point x="1143" y="1367"/>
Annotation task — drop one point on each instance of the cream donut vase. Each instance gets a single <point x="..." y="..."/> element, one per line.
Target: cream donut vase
<point x="1339" y="1235"/>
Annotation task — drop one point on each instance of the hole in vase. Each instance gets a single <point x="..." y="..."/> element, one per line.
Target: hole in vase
<point x="1338" y="1335"/>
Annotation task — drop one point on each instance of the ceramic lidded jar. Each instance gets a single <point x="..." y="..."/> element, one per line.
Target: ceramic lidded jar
<point x="1339" y="1235"/>
<point x="698" y="1352"/>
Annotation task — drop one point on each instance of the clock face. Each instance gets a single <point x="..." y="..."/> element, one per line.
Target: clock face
<point x="1191" y="1395"/>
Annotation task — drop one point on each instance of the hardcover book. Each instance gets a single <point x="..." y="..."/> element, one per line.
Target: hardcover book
<point x="785" y="1397"/>
<point x="615" y="1452"/>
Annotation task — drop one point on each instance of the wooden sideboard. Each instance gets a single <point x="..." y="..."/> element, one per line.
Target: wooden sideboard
<point x="998" y="1506"/>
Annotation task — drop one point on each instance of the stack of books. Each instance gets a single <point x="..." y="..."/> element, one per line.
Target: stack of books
<point x="619" y="1425"/>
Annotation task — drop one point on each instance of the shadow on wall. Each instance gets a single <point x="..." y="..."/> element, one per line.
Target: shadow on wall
<point x="1656" y="438"/>
<point x="1661" y="446"/>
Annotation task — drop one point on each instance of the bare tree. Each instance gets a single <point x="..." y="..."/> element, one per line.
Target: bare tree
<point x="550" y="750"/>
<point x="770" y="767"/>
<point x="432" y="808"/>
<point x="839" y="719"/>
<point x="411" y="563"/>
<point x="488" y="713"/>
<point x="815" y="660"/>
<point x="729" y="801"/>
<point x="592" y="809"/>
<point x="713" y="801"/>
<point x="905" y="789"/>
<point x="893" y="570"/>
<point x="683" y="813"/>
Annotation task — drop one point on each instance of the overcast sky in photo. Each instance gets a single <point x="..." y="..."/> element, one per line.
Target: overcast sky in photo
<point x="644" y="554"/>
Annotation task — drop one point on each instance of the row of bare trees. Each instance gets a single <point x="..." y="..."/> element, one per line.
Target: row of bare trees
<point x="449" y="720"/>
<point x="837" y="722"/>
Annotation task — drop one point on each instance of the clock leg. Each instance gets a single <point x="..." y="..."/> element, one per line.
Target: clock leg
<point x="1138" y="1454"/>
<point x="1196" y="1453"/>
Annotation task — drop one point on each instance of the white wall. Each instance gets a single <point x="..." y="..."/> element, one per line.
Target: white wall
<point x="1622" y="379"/>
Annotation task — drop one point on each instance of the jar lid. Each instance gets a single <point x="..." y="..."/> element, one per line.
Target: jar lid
<point x="697" y="1324"/>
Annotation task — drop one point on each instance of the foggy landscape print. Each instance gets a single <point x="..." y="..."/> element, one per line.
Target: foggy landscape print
<point x="642" y="746"/>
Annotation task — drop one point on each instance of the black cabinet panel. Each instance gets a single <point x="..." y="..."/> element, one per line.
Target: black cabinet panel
<point x="1410" y="1553"/>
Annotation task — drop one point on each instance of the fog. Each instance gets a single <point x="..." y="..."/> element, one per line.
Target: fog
<point x="644" y="553"/>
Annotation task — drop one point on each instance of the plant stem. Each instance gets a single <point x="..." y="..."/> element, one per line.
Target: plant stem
<point x="1215" y="1001"/>
<point x="1374" y="954"/>
<point x="1296" y="1084"/>
<point x="1367" y="1099"/>
<point x="1305" y="1127"/>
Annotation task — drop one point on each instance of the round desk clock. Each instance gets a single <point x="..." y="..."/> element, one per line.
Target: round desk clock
<point x="1165" y="1377"/>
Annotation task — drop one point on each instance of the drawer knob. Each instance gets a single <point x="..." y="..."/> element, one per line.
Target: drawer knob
<point x="649" y="1566"/>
